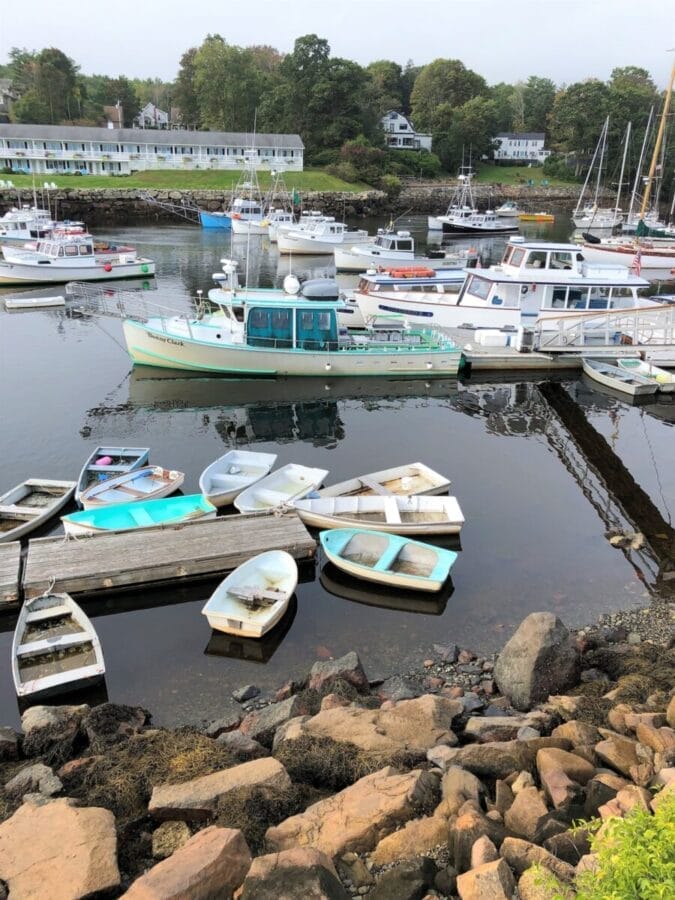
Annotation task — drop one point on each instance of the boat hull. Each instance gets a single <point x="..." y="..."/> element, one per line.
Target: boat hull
<point x="139" y="515"/>
<point x="352" y="260"/>
<point x="438" y="310"/>
<point x="215" y="220"/>
<point x="500" y="228"/>
<point x="12" y="510"/>
<point x="18" y="273"/>
<point x="429" y="526"/>
<point x="651" y="260"/>
<point x="152" y="347"/>
<point x="249" y="226"/>
<point x="634" y="389"/>
<point x="159" y="483"/>
<point x="220" y="486"/>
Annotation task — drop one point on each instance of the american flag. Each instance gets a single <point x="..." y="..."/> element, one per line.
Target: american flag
<point x="636" y="265"/>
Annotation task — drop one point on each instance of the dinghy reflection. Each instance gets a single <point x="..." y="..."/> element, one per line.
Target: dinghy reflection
<point x="258" y="650"/>
<point x="345" y="587"/>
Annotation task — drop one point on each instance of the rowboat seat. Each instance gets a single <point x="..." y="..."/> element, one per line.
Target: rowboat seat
<point x="43" y="615"/>
<point x="375" y="486"/>
<point x="391" y="511"/>
<point x="48" y="645"/>
<point x="141" y="517"/>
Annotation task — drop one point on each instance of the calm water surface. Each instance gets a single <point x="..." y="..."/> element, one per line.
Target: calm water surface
<point x="539" y="489"/>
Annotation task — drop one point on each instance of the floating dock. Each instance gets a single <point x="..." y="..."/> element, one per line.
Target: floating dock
<point x="151" y="556"/>
<point x="10" y="563"/>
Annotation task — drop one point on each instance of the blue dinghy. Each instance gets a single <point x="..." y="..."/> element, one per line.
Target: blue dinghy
<point x="388" y="558"/>
<point x="215" y="220"/>
<point x="139" y="514"/>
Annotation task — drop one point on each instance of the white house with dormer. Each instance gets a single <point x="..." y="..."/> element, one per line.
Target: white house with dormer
<point x="520" y="146"/>
<point x="152" y="116"/>
<point x="400" y="134"/>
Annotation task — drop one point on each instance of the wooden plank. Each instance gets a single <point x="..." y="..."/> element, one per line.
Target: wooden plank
<point x="10" y="561"/>
<point x="135" y="558"/>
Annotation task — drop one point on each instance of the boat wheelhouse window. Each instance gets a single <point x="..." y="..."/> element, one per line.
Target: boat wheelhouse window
<point x="85" y="250"/>
<point x="71" y="250"/>
<point x="577" y="298"/>
<point x="479" y="287"/>
<point x="558" y="297"/>
<point x="560" y="260"/>
<point x="517" y="256"/>
<point x="60" y="252"/>
<point x="622" y="298"/>
<point x="599" y="298"/>
<point x="316" y="329"/>
<point x="281" y="320"/>
<point x="536" y="260"/>
<point x="405" y="245"/>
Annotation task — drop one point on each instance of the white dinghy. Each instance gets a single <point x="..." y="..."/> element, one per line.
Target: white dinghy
<point x="413" y="478"/>
<point x="253" y="598"/>
<point x="290" y="482"/>
<point x="664" y="380"/>
<point x="232" y="473"/>
<point x="613" y="377"/>
<point x="55" y="648"/>
<point x="395" y="515"/>
<point x="148" y="483"/>
<point x="104" y="462"/>
<point x="31" y="503"/>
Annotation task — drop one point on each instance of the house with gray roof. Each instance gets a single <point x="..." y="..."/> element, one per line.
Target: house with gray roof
<point x="58" y="149"/>
<point x="520" y="146"/>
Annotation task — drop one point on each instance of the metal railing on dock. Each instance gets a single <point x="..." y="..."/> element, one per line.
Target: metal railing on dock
<point x="649" y="326"/>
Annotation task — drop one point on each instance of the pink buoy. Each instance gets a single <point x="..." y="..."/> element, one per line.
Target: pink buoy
<point x="104" y="461"/>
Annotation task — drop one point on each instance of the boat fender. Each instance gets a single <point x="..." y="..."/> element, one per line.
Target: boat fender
<point x="107" y="267"/>
<point x="103" y="461"/>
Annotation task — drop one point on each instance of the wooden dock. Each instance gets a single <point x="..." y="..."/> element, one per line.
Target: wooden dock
<point x="10" y="564"/>
<point x="144" y="557"/>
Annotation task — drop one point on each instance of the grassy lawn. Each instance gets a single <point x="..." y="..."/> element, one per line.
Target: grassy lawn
<point x="176" y="180"/>
<point x="517" y="175"/>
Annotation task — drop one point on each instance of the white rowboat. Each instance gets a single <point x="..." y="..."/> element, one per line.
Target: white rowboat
<point x="55" y="648"/>
<point x="288" y="483"/>
<point x="33" y="302"/>
<point x="232" y="473"/>
<point x="31" y="503"/>
<point x="665" y="380"/>
<point x="105" y="462"/>
<point x="251" y="600"/>
<point x="413" y="478"/>
<point x="148" y="483"/>
<point x="613" y="377"/>
<point x="394" y="515"/>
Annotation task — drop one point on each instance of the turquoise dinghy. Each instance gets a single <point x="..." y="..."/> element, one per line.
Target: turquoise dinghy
<point x="139" y="514"/>
<point x="388" y="558"/>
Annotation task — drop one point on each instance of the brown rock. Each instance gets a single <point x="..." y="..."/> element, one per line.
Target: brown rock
<point x="417" y="838"/>
<point x="633" y="796"/>
<point x="168" y="838"/>
<point x="211" y="864"/>
<point x="197" y="799"/>
<point x="656" y="719"/>
<point x="333" y="701"/>
<point x="300" y="872"/>
<point x="670" y="712"/>
<point x="557" y="771"/>
<point x="663" y="777"/>
<point x="467" y="828"/>
<point x="73" y="850"/>
<point x="492" y="881"/>
<point x="457" y="787"/>
<point x="570" y="845"/>
<point x="600" y="790"/>
<point x="521" y="781"/>
<point x="618" y="752"/>
<point x="535" y="886"/>
<point x="504" y="796"/>
<point x="577" y="732"/>
<point x="358" y="817"/>
<point x="412" y="725"/>
<point x="520" y="855"/>
<point x="482" y="852"/>
<point x="347" y="668"/>
<point x="261" y="724"/>
<point x="617" y="717"/>
<point x="494" y="728"/>
<point x="493" y="760"/>
<point x="525" y="813"/>
<point x="660" y="740"/>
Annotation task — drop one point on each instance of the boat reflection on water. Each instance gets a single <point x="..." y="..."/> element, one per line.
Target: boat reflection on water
<point x="345" y="587"/>
<point x="258" y="650"/>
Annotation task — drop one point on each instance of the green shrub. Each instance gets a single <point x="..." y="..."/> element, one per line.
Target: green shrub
<point x="636" y="857"/>
<point x="557" y="167"/>
<point x="391" y="185"/>
<point x="345" y="171"/>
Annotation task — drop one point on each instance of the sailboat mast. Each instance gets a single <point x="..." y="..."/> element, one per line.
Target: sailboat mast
<point x="588" y="176"/>
<point x="657" y="145"/>
<point x="638" y="173"/>
<point x="600" y="164"/>
<point x="617" y="208"/>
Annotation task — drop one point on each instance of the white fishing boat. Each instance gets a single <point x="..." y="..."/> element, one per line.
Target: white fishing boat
<point x="62" y="257"/>
<point x="462" y="216"/>
<point x="665" y="380"/>
<point x="508" y="210"/>
<point x="232" y="473"/>
<point x="290" y="482"/>
<point x="105" y="462"/>
<point x="247" y="210"/>
<point x="406" y="480"/>
<point x="396" y="250"/>
<point x="408" y="515"/>
<point x="253" y="598"/>
<point x="627" y="382"/>
<point x="306" y="220"/>
<point x="147" y="483"/>
<point x="321" y="237"/>
<point x="55" y="648"/>
<point x="18" y="226"/>
<point x="388" y="558"/>
<point x="30" y="504"/>
<point x="34" y="302"/>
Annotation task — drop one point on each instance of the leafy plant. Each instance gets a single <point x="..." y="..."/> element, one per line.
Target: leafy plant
<point x="635" y="857"/>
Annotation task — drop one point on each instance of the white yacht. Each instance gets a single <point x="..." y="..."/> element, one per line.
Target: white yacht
<point x="535" y="279"/>
<point x="25" y="224"/>
<point x="322" y="237"/>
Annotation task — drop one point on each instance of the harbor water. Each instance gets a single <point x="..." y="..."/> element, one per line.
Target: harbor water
<point x="546" y="471"/>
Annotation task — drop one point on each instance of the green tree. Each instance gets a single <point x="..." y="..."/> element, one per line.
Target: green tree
<point x="538" y="97"/>
<point x="444" y="81"/>
<point x="408" y="78"/>
<point x="503" y="96"/>
<point x="386" y="79"/>
<point x="185" y="92"/>
<point x="577" y="117"/>
<point x="47" y="81"/>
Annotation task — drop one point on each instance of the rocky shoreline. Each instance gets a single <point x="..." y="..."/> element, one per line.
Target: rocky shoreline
<point x="462" y="779"/>
<point x="129" y="206"/>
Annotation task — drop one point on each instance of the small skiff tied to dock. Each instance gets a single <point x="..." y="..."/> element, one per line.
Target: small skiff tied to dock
<point x="148" y="483"/>
<point x="290" y="482"/>
<point x="55" y="648"/>
<point x="253" y="598"/>
<point x="139" y="514"/>
<point x="628" y="382"/>
<point x="105" y="462"/>
<point x="31" y="503"/>
<point x="388" y="558"/>
<point x="33" y="302"/>
<point x="393" y="514"/>
<point x="412" y="478"/>
<point x="232" y="473"/>
<point x="665" y="380"/>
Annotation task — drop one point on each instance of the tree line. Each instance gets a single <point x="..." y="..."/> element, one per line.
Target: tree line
<point x="336" y="105"/>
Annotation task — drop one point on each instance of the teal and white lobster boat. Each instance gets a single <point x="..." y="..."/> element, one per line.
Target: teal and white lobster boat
<point x="282" y="333"/>
<point x="388" y="558"/>
<point x="139" y="514"/>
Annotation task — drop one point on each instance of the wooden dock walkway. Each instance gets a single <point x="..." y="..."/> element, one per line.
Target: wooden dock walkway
<point x="143" y="557"/>
<point x="10" y="563"/>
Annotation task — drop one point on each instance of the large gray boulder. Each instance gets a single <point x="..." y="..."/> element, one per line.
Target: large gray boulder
<point x="540" y="659"/>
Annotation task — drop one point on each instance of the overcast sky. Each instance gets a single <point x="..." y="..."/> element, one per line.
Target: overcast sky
<point x="503" y="40"/>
